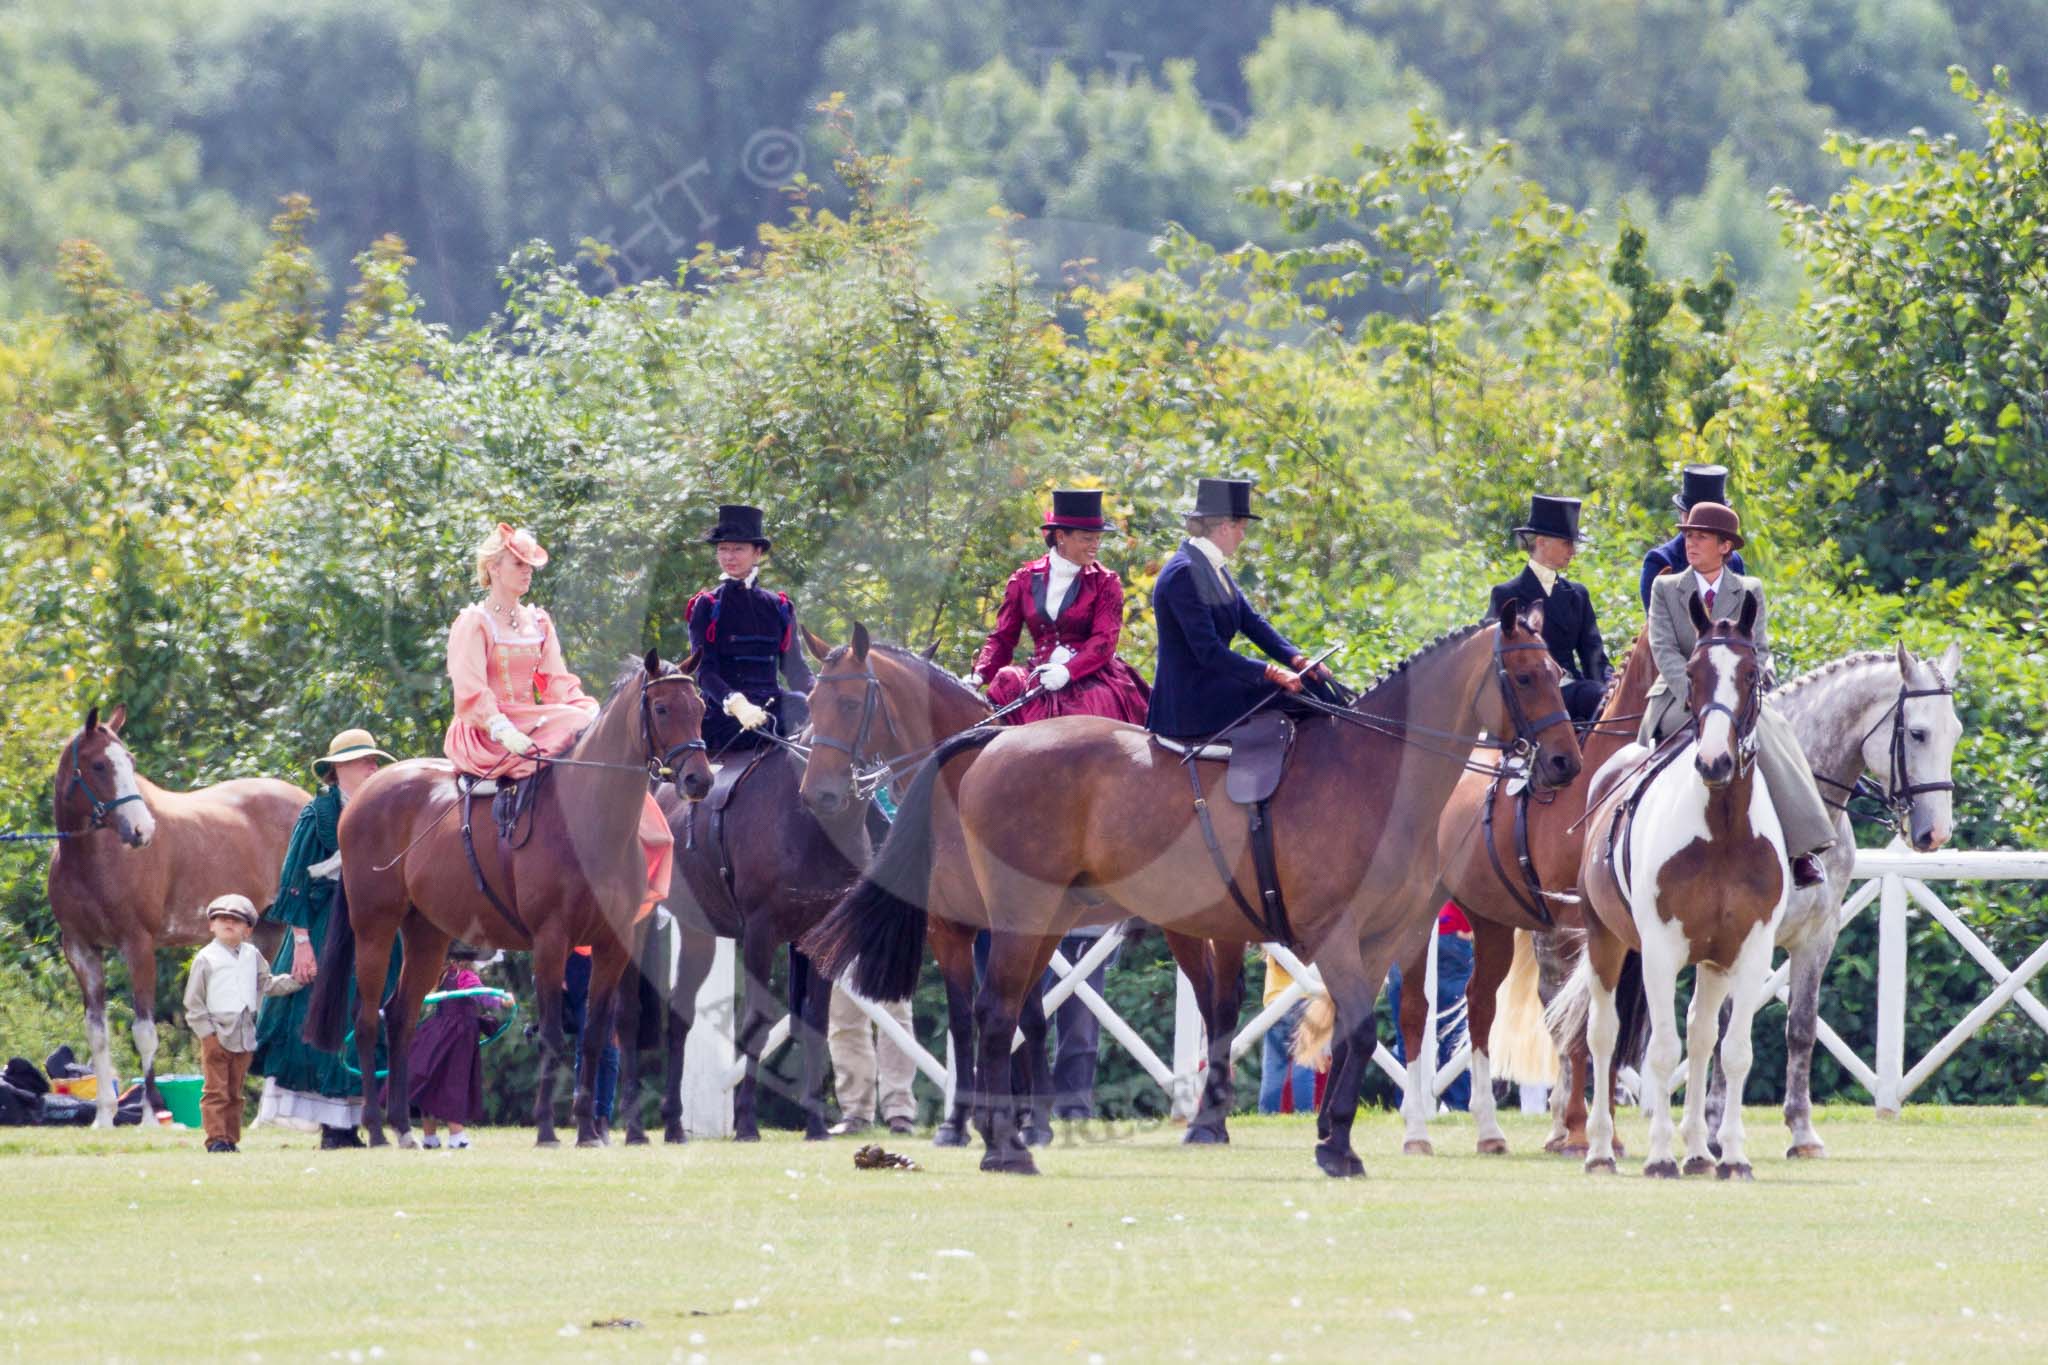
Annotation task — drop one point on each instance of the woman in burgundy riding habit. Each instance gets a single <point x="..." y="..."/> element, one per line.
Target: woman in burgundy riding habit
<point x="1074" y="608"/>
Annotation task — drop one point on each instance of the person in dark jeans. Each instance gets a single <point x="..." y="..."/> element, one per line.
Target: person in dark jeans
<point x="575" y="1009"/>
<point x="1453" y="971"/>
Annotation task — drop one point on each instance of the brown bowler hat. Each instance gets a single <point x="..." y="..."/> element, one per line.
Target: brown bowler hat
<point x="1712" y="516"/>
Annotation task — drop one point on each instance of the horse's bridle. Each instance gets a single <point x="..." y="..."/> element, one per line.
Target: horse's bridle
<point x="663" y="767"/>
<point x="871" y="702"/>
<point x="100" y="809"/>
<point x="1899" y="788"/>
<point x="1745" y="735"/>
<point x="1526" y="730"/>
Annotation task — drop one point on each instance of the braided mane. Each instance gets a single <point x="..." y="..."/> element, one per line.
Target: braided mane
<point x="1447" y="639"/>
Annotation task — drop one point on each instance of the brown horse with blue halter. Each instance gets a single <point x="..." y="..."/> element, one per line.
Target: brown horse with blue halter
<point x="995" y="843"/>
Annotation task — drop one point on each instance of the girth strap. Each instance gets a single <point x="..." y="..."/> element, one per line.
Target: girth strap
<point x="463" y="782"/>
<point x="1274" y="926"/>
<point x="1529" y="895"/>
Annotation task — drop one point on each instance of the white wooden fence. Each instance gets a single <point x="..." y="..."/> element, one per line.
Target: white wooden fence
<point x="1895" y="878"/>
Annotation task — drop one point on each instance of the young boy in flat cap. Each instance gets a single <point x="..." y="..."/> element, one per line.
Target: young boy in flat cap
<point x="229" y="980"/>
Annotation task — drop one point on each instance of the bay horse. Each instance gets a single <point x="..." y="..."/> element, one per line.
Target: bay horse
<point x="1890" y="715"/>
<point x="1084" y="804"/>
<point x="762" y="874"/>
<point x="578" y="879"/>
<point x="879" y="708"/>
<point x="1509" y="900"/>
<point x="1684" y="864"/>
<point x="136" y="866"/>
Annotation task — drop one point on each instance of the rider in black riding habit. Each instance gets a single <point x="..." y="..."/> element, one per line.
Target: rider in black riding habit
<point x="746" y="635"/>
<point x="1571" y="629"/>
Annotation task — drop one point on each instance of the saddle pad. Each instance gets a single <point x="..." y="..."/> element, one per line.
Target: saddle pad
<point x="482" y="786"/>
<point x="1174" y="746"/>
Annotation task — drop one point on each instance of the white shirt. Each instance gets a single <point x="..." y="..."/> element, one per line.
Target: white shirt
<point x="1209" y="551"/>
<point x="1060" y="577"/>
<point x="1545" y="575"/>
<point x="752" y="574"/>
<point x="1707" y="584"/>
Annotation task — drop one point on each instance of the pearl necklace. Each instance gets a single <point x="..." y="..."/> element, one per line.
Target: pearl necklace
<point x="510" y="617"/>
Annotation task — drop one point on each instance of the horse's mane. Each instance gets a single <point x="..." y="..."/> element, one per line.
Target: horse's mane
<point x="941" y="678"/>
<point x="1444" y="641"/>
<point x="632" y="670"/>
<point x="1614" y="677"/>
<point x="1835" y="666"/>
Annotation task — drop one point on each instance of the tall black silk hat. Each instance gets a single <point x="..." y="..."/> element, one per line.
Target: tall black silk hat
<point x="1230" y="498"/>
<point x="1701" y="483"/>
<point x="1552" y="516"/>
<point x="737" y="521"/>
<point x="1076" y="509"/>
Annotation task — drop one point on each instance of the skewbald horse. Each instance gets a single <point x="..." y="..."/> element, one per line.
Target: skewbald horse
<point x="579" y="879"/>
<point x="999" y="844"/>
<point x="137" y="867"/>
<point x="1684" y="864"/>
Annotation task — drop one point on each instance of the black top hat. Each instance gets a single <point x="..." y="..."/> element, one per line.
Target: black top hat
<point x="1230" y="498"/>
<point x="737" y="521"/>
<point x="1702" y="483"/>
<point x="1077" y="509"/>
<point x="1549" y="516"/>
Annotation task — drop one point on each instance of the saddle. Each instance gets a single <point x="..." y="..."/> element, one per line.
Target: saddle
<point x="1257" y="751"/>
<point x="511" y="802"/>
<point x="725" y="780"/>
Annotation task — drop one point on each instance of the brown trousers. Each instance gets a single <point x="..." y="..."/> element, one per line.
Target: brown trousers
<point x="220" y="1103"/>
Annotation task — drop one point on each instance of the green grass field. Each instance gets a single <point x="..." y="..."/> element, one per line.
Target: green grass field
<point x="1924" y="1238"/>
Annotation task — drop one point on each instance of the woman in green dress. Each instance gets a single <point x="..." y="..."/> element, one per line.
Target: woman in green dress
<point x="303" y="1085"/>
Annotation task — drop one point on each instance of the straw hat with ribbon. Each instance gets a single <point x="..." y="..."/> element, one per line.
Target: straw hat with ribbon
<point x="349" y="744"/>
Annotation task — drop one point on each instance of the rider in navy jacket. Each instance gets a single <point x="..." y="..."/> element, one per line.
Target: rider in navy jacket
<point x="748" y="636"/>
<point x="1202" y="684"/>
<point x="1701" y="483"/>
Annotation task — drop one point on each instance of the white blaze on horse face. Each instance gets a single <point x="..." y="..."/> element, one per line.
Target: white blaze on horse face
<point x="132" y="819"/>
<point x="1717" y="732"/>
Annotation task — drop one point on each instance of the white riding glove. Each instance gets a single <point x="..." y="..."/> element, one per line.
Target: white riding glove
<point x="977" y="682"/>
<point x="510" y="736"/>
<point x="327" y="869"/>
<point x="1053" y="677"/>
<point x="750" y="716"/>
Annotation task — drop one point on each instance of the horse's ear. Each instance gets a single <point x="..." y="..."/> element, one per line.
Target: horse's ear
<point x="92" y="719"/>
<point x="931" y="651"/>
<point x="1698" y="611"/>
<point x="689" y="665"/>
<point x="860" y="643"/>
<point x="1951" y="664"/>
<point x="1532" y="618"/>
<point x="119" y="717"/>
<point x="1905" y="660"/>
<point x="1510" y="614"/>
<point x="818" y="648"/>
<point x="1746" y="620"/>
<point x="652" y="663"/>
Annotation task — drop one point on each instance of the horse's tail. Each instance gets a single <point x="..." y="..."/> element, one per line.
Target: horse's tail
<point x="327" y="1023"/>
<point x="878" y="928"/>
<point x="1314" y="1033"/>
<point x="1566" y="1014"/>
<point x="1519" y="1047"/>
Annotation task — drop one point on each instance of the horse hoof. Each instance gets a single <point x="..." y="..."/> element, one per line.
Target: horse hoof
<point x="636" y="1139"/>
<point x="1599" y="1165"/>
<point x="674" y="1133"/>
<point x="1038" y="1137"/>
<point x="1558" y="1146"/>
<point x="749" y="1136"/>
<point x="1699" y="1165"/>
<point x="817" y="1134"/>
<point x="592" y="1142"/>
<point x="1418" y="1147"/>
<point x="1661" y="1170"/>
<point x="1343" y="1165"/>
<point x="1013" y="1160"/>
<point x="408" y="1143"/>
<point x="547" y="1140"/>
<point x="1738" y="1170"/>
<point x="1205" y="1135"/>
<point x="1800" y="1151"/>
<point x="1620" y="1148"/>
<point x="1493" y="1147"/>
<point x="1573" y="1149"/>
<point x="949" y="1135"/>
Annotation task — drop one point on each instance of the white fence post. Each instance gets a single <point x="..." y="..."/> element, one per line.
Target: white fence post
<point x="1190" y="1047"/>
<point x="1891" y="994"/>
<point x="708" y="1051"/>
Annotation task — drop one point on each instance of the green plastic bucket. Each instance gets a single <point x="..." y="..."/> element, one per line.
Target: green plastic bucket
<point x="181" y="1097"/>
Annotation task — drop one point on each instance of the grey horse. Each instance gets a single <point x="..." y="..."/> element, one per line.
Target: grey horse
<point x="1893" y="717"/>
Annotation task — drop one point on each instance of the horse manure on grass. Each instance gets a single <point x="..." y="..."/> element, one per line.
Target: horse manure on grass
<point x="873" y="1158"/>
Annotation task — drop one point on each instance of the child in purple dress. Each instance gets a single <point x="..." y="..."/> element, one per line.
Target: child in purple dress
<point x="446" y="1061"/>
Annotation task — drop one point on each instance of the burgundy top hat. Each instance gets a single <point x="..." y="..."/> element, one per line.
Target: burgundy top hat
<point x="1076" y="509"/>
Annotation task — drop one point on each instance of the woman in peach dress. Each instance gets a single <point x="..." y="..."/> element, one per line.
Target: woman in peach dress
<point x="515" y="699"/>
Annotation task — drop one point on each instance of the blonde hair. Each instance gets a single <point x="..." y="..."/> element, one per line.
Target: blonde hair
<point x="487" y="551"/>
